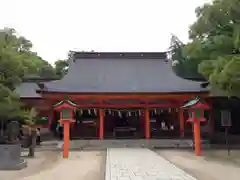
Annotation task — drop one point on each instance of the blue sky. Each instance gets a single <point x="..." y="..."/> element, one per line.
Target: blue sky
<point x="57" y="26"/>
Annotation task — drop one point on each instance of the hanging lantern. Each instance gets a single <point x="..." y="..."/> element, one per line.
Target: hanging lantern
<point x="95" y="112"/>
<point x="81" y="112"/>
<point x="195" y="114"/>
<point x="200" y="115"/>
<point x="196" y="109"/>
<point x="129" y="113"/>
<point x="119" y="114"/>
<point x="169" y="110"/>
<point x="139" y="112"/>
<point x="155" y="111"/>
<point x="136" y="113"/>
<point x="89" y="111"/>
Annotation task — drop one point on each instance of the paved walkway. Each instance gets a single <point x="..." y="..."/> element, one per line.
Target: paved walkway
<point x="140" y="164"/>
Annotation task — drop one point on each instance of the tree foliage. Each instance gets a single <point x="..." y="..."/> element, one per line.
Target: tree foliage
<point x="215" y="45"/>
<point x="17" y="61"/>
<point x="183" y="66"/>
<point x="61" y="67"/>
<point x="9" y="104"/>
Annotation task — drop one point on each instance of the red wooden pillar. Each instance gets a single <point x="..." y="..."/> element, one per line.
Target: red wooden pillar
<point x="197" y="138"/>
<point x="211" y="122"/>
<point x="147" y="124"/>
<point x="66" y="138"/>
<point x="66" y="133"/>
<point x="101" y="124"/>
<point x="50" y="118"/>
<point x="182" y="123"/>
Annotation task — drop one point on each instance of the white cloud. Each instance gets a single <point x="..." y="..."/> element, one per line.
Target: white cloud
<point x="57" y="26"/>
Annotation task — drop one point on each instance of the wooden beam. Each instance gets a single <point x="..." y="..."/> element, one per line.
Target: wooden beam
<point x="126" y="105"/>
<point x="175" y="96"/>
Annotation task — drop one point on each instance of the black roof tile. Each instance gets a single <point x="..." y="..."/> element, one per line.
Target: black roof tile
<point x="92" y="72"/>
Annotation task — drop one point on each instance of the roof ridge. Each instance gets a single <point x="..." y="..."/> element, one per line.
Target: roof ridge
<point x="119" y="55"/>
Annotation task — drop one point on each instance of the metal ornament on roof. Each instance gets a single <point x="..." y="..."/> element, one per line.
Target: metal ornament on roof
<point x="66" y="102"/>
<point x="195" y="103"/>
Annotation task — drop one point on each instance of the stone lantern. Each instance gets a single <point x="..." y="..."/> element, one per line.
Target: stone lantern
<point x="66" y="109"/>
<point x="196" y="110"/>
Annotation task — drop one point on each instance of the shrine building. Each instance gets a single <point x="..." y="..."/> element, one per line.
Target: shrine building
<point x="118" y="95"/>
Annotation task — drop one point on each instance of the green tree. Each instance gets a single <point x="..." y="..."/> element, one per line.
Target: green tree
<point x="215" y="45"/>
<point x="11" y="68"/>
<point x="61" y="67"/>
<point x="16" y="51"/>
<point x="16" y="61"/>
<point x="47" y="71"/>
<point x="9" y="103"/>
<point x="183" y="66"/>
<point x="32" y="131"/>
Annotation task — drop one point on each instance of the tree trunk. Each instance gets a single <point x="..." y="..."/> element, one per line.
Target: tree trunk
<point x="32" y="143"/>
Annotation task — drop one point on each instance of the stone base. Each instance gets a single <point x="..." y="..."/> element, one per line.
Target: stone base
<point x="13" y="165"/>
<point x="10" y="157"/>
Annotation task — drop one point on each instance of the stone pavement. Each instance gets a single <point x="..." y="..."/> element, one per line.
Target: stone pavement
<point x="140" y="164"/>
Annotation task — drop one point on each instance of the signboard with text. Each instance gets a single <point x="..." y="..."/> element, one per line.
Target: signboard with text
<point x="226" y="118"/>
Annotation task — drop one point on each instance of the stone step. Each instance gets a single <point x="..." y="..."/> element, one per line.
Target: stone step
<point x="158" y="143"/>
<point x="141" y="143"/>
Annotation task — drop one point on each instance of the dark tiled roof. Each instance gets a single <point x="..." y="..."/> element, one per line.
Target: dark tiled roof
<point x="129" y="73"/>
<point x="27" y="90"/>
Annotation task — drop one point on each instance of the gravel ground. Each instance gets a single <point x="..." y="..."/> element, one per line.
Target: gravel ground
<point x="212" y="165"/>
<point x="81" y="165"/>
<point x="41" y="161"/>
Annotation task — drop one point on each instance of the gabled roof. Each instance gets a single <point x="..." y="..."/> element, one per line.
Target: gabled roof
<point x="92" y="72"/>
<point x="65" y="101"/>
